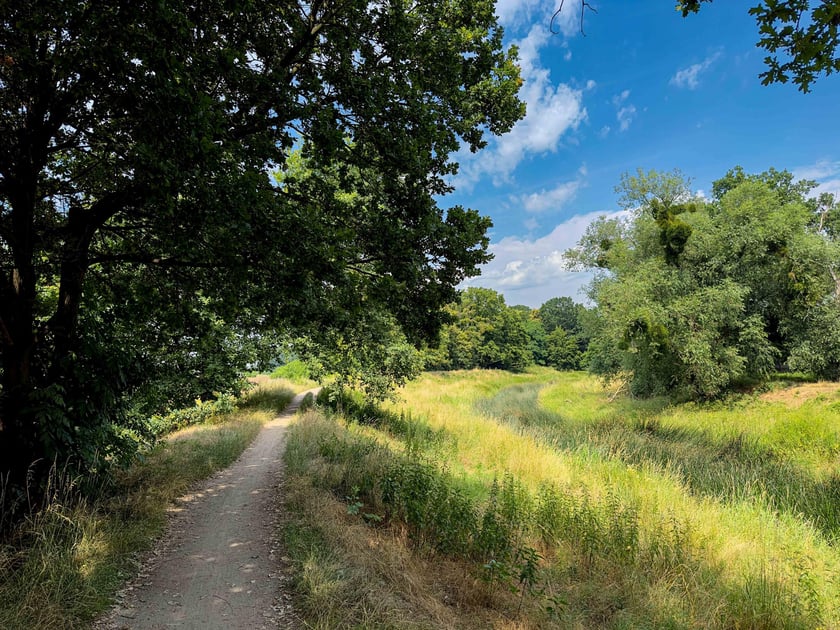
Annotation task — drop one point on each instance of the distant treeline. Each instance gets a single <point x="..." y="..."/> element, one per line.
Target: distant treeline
<point x="484" y="332"/>
<point x="693" y="296"/>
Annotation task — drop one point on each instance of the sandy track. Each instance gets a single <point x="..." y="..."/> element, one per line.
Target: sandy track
<point x="218" y="566"/>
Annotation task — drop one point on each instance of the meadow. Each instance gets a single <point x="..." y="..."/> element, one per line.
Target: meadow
<point x="542" y="499"/>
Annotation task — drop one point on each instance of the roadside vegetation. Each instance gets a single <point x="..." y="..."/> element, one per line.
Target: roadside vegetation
<point x="542" y="499"/>
<point x="62" y="565"/>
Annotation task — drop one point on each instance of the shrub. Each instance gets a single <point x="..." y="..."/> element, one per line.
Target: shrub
<point x="295" y="371"/>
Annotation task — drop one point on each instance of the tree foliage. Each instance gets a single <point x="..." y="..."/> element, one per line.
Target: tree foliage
<point x="484" y="333"/>
<point x="695" y="295"/>
<point x="801" y="40"/>
<point x="142" y="233"/>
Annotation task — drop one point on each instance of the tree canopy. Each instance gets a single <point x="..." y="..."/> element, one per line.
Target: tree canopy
<point x="152" y="223"/>
<point x="484" y="332"/>
<point x="695" y="295"/>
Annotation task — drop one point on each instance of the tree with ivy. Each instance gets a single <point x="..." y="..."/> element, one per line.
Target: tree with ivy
<point x="694" y="296"/>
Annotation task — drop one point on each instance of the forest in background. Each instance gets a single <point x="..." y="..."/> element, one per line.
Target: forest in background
<point x="692" y="297"/>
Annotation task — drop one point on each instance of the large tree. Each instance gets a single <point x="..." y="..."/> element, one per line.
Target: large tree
<point x="484" y="332"/>
<point x="141" y="227"/>
<point x="694" y="295"/>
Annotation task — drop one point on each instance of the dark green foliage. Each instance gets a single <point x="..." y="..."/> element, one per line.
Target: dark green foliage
<point x="484" y="333"/>
<point x="147" y="252"/>
<point x="562" y="350"/>
<point x="818" y="351"/>
<point x="674" y="232"/>
<point x="561" y="312"/>
<point x="371" y="354"/>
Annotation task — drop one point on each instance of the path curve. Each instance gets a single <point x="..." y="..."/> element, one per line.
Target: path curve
<point x="218" y="565"/>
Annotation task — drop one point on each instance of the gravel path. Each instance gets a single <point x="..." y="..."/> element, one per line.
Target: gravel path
<point x="219" y="564"/>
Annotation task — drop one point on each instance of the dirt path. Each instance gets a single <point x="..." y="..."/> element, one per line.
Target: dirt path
<point x="218" y="566"/>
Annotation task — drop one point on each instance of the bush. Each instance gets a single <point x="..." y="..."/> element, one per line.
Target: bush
<point x="201" y="412"/>
<point x="295" y="371"/>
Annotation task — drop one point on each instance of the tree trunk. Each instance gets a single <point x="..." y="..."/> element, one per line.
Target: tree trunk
<point x="20" y="444"/>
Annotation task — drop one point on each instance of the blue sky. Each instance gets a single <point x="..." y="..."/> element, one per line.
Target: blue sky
<point x="645" y="88"/>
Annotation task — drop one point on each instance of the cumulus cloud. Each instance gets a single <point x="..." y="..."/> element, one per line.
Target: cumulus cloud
<point x="552" y="111"/>
<point x="624" y="112"/>
<point x="689" y="77"/>
<point x="552" y="199"/>
<point x="532" y="271"/>
<point x="516" y="13"/>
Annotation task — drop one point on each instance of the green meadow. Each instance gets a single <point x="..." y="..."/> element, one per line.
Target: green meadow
<point x="543" y="499"/>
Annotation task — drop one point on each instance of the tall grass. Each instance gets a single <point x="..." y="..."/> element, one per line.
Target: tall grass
<point x="63" y="564"/>
<point x="568" y="506"/>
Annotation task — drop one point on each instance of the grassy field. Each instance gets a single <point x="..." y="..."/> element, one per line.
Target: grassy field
<point x="489" y="499"/>
<point x="63" y="565"/>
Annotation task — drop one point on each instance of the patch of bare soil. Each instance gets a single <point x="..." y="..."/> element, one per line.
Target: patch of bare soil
<point x="219" y="566"/>
<point x="797" y="395"/>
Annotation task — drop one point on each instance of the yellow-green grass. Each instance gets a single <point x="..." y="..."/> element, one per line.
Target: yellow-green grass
<point x="63" y="565"/>
<point x="756" y="560"/>
<point x="351" y="569"/>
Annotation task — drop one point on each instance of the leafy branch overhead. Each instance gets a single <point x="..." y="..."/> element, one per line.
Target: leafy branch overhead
<point x="801" y="41"/>
<point x="153" y="226"/>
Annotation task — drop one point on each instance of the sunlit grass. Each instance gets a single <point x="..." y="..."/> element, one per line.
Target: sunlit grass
<point x="62" y="566"/>
<point x="751" y="481"/>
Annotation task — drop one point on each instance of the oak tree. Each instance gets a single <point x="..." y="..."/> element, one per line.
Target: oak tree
<point x="142" y="229"/>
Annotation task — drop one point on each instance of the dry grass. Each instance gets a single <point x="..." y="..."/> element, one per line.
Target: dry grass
<point x="796" y="395"/>
<point x="354" y="574"/>
<point x="65" y="562"/>
<point x="371" y="577"/>
<point x="681" y="517"/>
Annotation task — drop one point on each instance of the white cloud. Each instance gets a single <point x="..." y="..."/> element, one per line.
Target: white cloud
<point x="821" y="169"/>
<point x="829" y="186"/>
<point x="625" y="116"/>
<point x="553" y="199"/>
<point x="690" y="77"/>
<point x="531" y="271"/>
<point x="517" y="13"/>
<point x="624" y="112"/>
<point x="552" y="111"/>
<point x="825" y="172"/>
